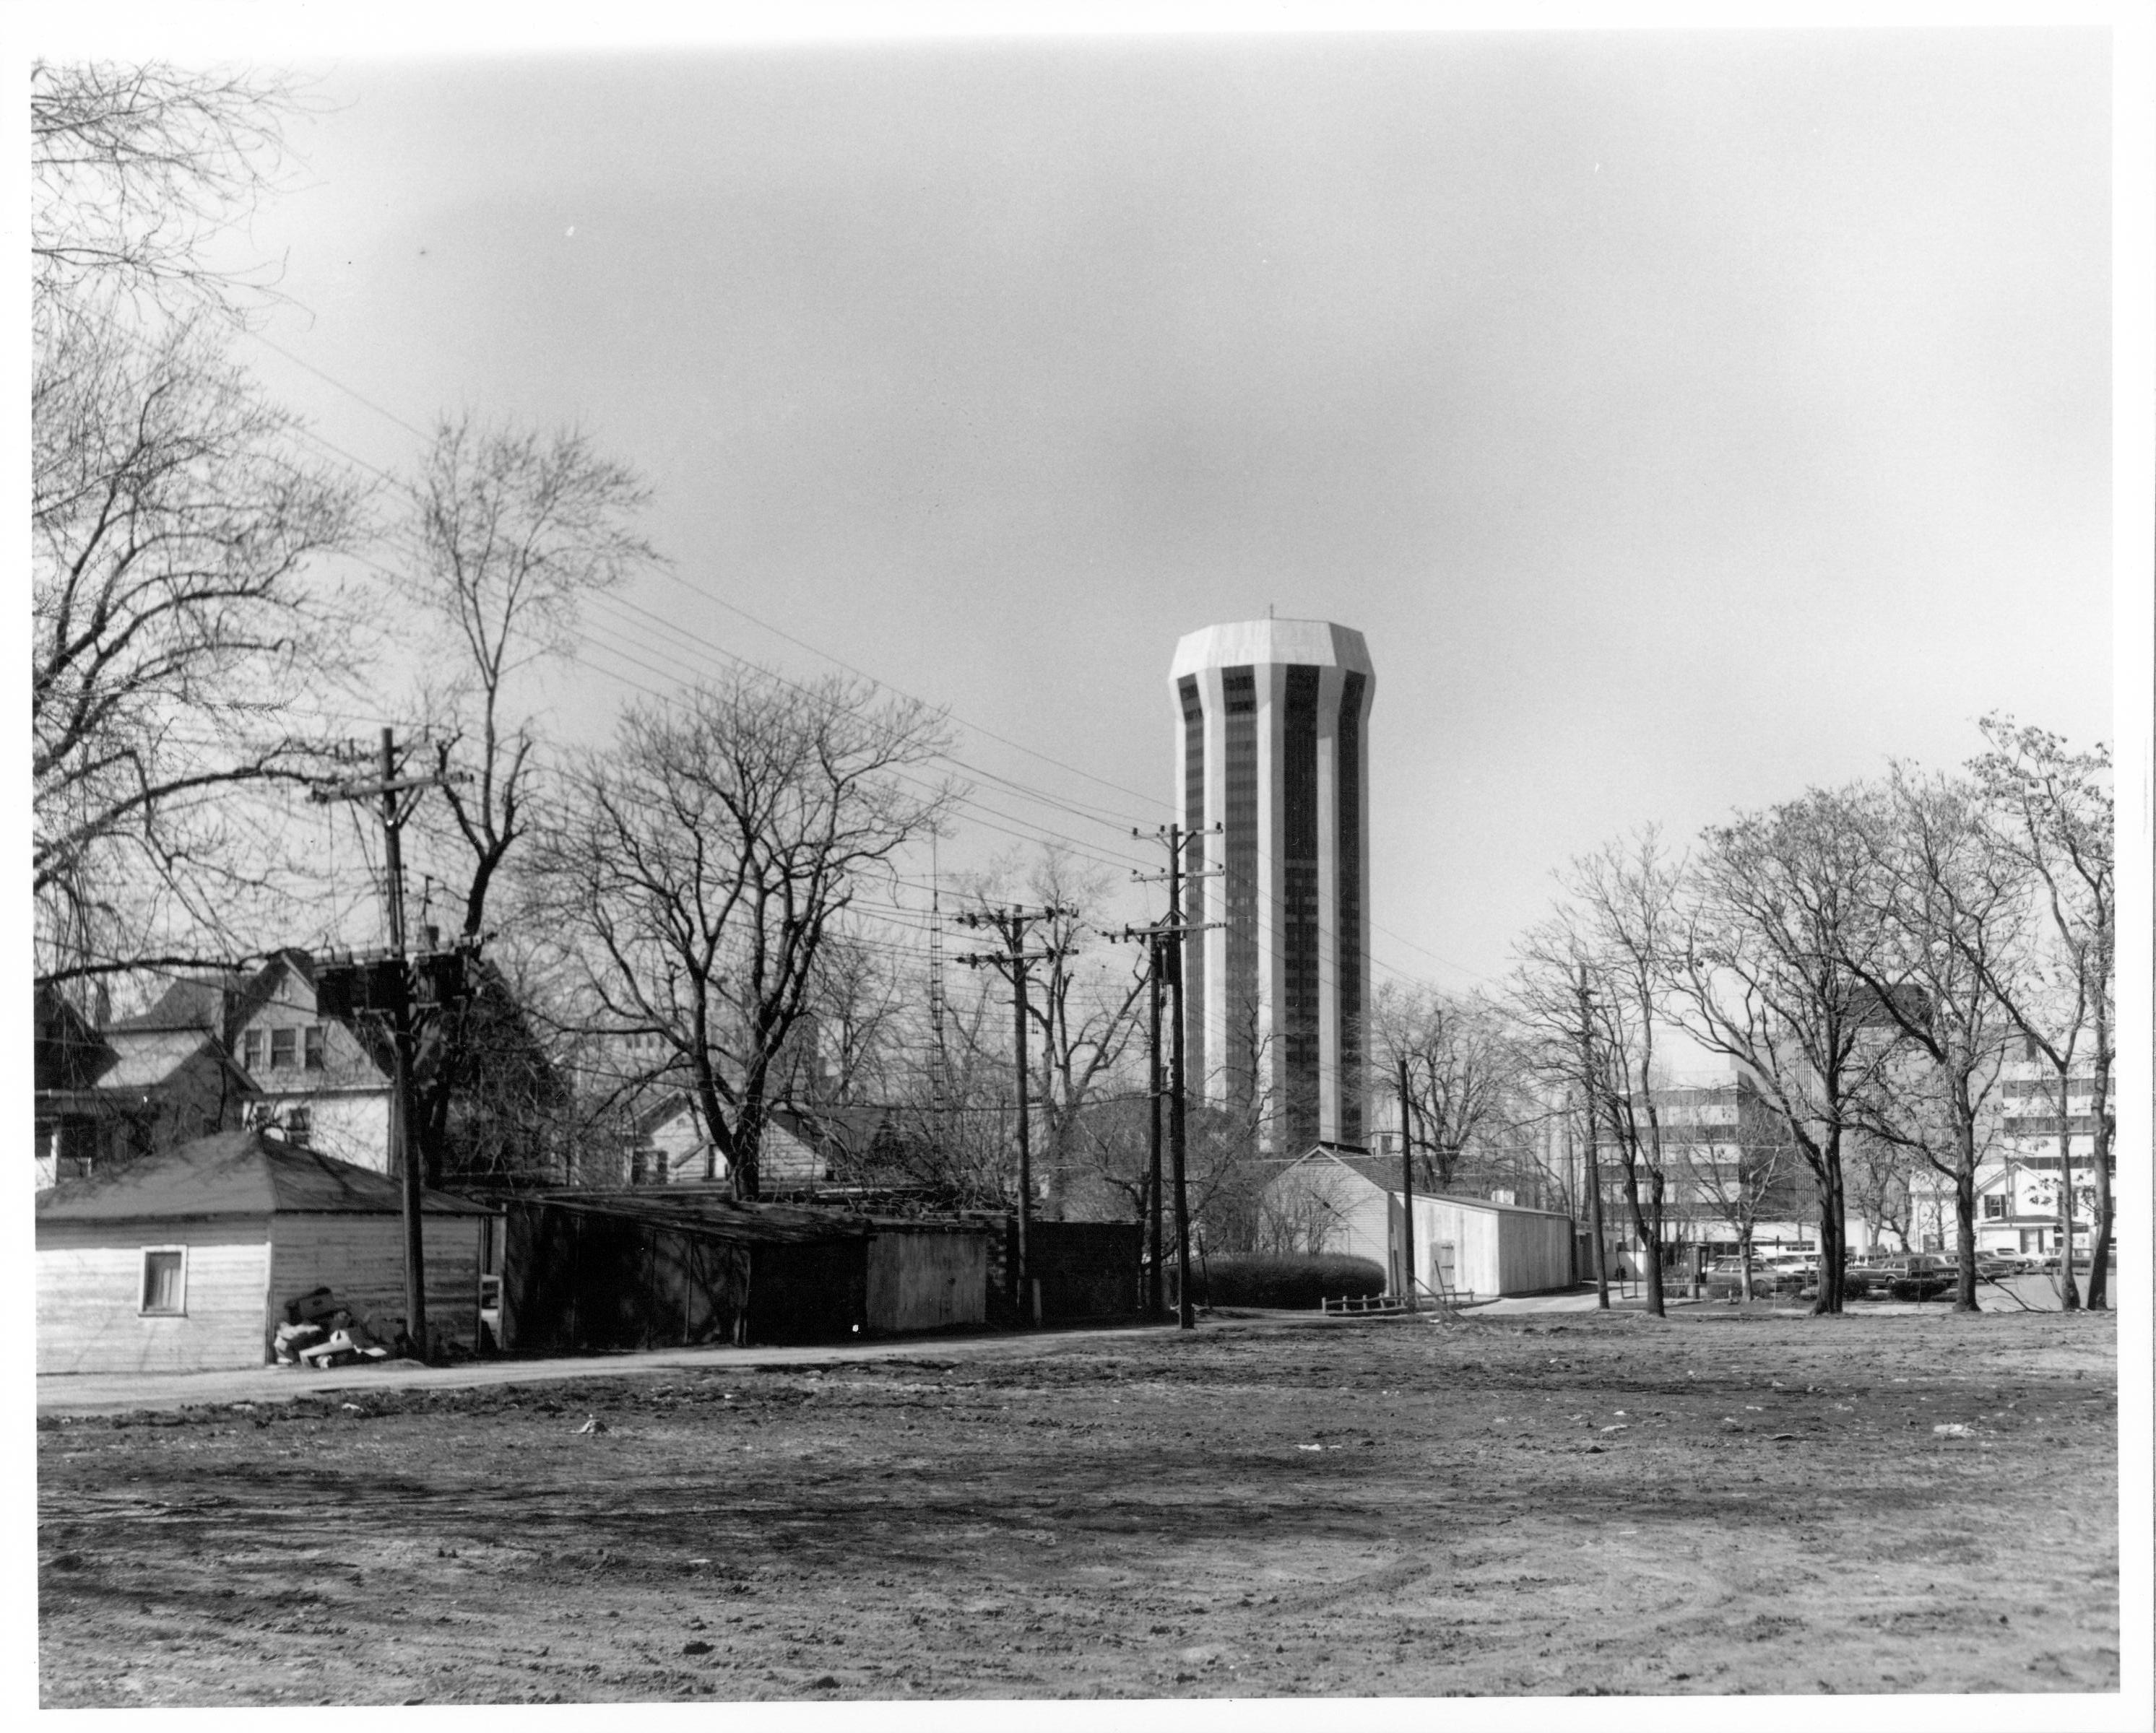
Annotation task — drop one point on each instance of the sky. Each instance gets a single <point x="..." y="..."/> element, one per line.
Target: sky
<point x="1685" y="418"/>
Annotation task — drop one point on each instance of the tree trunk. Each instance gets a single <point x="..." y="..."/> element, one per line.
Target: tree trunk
<point x="1826" y="1173"/>
<point x="1652" y="1251"/>
<point x="1965" y="1232"/>
<point x="2100" y="1165"/>
<point x="1595" y="1221"/>
<point x="2070" y="1299"/>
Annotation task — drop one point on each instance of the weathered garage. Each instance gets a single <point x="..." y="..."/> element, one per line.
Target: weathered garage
<point x="598" y="1270"/>
<point x="184" y="1261"/>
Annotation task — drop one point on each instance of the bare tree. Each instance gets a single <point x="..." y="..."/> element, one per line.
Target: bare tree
<point x="177" y="598"/>
<point x="2054" y="811"/>
<point x="1453" y="1069"/>
<point x="1952" y="914"/>
<point x="1768" y="972"/>
<point x="706" y="861"/>
<point x="1595" y="974"/>
<point x="1081" y="1009"/>
<point x="133" y="168"/>
<point x="177" y="614"/>
<point x="511" y="531"/>
<point x="1876" y="1176"/>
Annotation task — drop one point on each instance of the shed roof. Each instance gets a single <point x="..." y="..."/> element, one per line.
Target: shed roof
<point x="709" y="1210"/>
<point x="236" y="1173"/>
<point x="1384" y="1174"/>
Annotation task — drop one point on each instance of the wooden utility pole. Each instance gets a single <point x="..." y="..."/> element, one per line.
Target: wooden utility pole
<point x="1594" y="1159"/>
<point x="412" y="1194"/>
<point x="1167" y="935"/>
<point x="1407" y="1191"/>
<point x="1156" y="1283"/>
<point x="1011" y="924"/>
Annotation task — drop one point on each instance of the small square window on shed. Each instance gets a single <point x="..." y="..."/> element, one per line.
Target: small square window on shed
<point x="164" y="1280"/>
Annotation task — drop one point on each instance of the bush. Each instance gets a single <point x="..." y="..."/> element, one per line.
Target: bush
<point x="1294" y="1281"/>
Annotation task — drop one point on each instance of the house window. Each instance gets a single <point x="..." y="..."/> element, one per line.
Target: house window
<point x="1994" y="1206"/>
<point x="298" y="1122"/>
<point x="313" y="1043"/>
<point x="250" y="1049"/>
<point x="284" y="1049"/>
<point x="164" y="1281"/>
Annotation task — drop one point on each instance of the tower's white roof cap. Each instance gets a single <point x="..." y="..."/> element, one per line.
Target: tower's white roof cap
<point x="1316" y="642"/>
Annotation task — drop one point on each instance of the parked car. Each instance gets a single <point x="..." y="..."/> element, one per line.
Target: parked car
<point x="1996" y="1266"/>
<point x="1908" y="1275"/>
<point x="1725" y="1276"/>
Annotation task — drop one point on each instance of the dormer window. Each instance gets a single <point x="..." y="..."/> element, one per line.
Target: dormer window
<point x="284" y="1049"/>
<point x="311" y="1040"/>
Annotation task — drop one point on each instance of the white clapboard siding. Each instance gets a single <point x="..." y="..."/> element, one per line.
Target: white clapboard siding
<point x="360" y="1259"/>
<point x="90" y="1295"/>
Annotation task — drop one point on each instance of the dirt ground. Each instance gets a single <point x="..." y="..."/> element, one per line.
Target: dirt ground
<point x="1712" y="1503"/>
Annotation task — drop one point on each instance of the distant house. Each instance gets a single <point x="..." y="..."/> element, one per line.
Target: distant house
<point x="184" y="1260"/>
<point x="67" y="1056"/>
<point x="147" y="1082"/>
<point x="254" y="1048"/>
<point x="672" y="1148"/>
<point x="325" y="1083"/>
<point x="1354" y="1204"/>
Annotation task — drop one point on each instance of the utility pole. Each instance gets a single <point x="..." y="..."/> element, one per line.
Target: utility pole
<point x="1406" y="1190"/>
<point x="1167" y="936"/>
<point x="1010" y="923"/>
<point x="1156" y="1283"/>
<point x="399" y="1015"/>
<point x="1594" y="1159"/>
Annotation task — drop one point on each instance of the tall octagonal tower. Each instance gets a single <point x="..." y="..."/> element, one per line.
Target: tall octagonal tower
<point x="1273" y="747"/>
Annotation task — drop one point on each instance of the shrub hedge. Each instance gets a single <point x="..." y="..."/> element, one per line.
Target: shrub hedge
<point x="1292" y="1282"/>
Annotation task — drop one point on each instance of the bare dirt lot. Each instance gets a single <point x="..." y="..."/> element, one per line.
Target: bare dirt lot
<point x="1578" y="1503"/>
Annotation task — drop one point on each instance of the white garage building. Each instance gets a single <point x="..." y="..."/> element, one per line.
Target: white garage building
<point x="1477" y="1248"/>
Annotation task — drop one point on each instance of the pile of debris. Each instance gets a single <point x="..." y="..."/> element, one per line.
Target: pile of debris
<point x="318" y="1331"/>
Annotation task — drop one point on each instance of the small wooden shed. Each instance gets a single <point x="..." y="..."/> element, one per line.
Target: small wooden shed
<point x="677" y="1267"/>
<point x="184" y="1261"/>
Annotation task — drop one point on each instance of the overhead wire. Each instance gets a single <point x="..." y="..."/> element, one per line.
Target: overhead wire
<point x="623" y="629"/>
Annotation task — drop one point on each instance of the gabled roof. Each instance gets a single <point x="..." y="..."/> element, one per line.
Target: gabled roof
<point x="219" y="1001"/>
<point x="1384" y="1173"/>
<point x="143" y="1058"/>
<point x="236" y="1173"/>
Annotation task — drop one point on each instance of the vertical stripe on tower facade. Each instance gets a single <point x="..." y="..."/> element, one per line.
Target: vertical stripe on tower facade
<point x="1194" y="861"/>
<point x="1352" y="937"/>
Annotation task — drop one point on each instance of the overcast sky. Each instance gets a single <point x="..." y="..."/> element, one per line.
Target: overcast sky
<point x="1685" y="418"/>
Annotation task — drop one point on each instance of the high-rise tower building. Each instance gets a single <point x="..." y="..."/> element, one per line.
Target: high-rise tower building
<point x="1274" y="751"/>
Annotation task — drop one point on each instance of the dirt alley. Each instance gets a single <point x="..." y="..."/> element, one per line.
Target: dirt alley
<point x="1396" y="1507"/>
